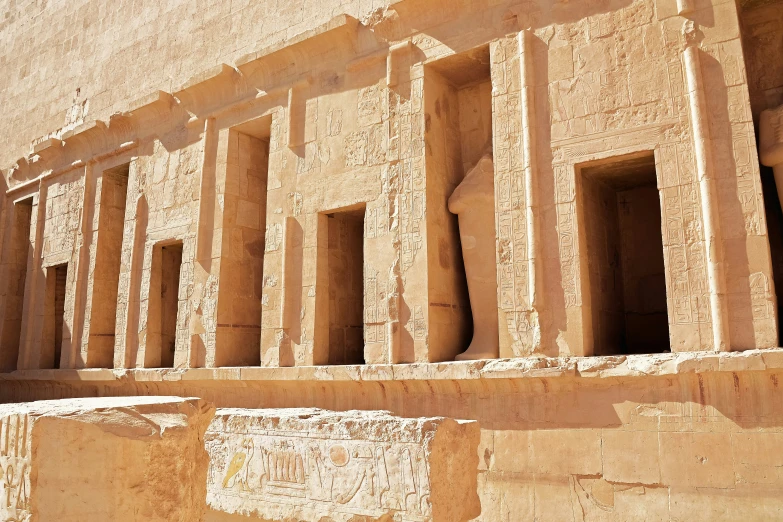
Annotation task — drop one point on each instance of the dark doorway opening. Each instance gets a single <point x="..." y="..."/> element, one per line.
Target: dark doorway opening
<point x="171" y="263"/>
<point x="346" y="286"/>
<point x="56" y="285"/>
<point x="622" y="216"/>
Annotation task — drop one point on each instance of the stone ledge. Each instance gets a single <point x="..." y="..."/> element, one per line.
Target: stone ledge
<point x="620" y="366"/>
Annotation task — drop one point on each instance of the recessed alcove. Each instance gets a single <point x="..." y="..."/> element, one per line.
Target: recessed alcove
<point x="346" y="285"/>
<point x="458" y="106"/>
<point x="622" y="230"/>
<point x="163" y="305"/>
<point x="242" y="264"/>
<point x="54" y="316"/>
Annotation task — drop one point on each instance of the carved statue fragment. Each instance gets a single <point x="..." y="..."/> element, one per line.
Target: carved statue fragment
<point x="473" y="201"/>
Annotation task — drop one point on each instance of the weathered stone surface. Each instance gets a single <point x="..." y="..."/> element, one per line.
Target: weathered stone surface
<point x="253" y="209"/>
<point x="118" y="459"/>
<point x="310" y="464"/>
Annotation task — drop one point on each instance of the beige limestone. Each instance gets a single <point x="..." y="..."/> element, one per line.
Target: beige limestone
<point x="103" y="459"/>
<point x="308" y="464"/>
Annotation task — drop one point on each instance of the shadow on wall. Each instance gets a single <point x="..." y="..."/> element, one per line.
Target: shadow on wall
<point x="774" y="215"/>
<point x="742" y="216"/>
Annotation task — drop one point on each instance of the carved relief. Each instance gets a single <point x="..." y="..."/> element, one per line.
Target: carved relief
<point x="15" y="468"/>
<point x="284" y="463"/>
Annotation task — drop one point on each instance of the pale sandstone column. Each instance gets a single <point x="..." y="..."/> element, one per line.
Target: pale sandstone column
<point x="311" y="464"/>
<point x="474" y="202"/>
<point x="77" y="355"/>
<point x="530" y="164"/>
<point x="112" y="459"/>
<point x="700" y="128"/>
<point x="514" y="147"/>
<point x="203" y="323"/>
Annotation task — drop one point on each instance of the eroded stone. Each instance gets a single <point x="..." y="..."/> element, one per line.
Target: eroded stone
<point x="118" y="459"/>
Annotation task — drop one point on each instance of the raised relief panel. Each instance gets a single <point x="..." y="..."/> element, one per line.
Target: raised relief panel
<point x="305" y="464"/>
<point x="15" y="467"/>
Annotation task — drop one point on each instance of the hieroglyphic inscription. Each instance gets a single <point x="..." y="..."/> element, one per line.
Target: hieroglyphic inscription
<point x="376" y="307"/>
<point x="569" y="262"/>
<point x="760" y="296"/>
<point x="255" y="469"/>
<point x="510" y="197"/>
<point x="15" y="468"/>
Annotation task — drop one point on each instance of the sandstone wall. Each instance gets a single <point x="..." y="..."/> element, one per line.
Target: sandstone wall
<point x="366" y="116"/>
<point x="670" y="437"/>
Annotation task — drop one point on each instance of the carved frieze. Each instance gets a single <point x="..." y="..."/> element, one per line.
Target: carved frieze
<point x="304" y="464"/>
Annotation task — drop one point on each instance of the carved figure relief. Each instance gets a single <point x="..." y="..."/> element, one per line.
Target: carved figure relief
<point x="473" y="201"/>
<point x="14" y="469"/>
<point x="357" y="477"/>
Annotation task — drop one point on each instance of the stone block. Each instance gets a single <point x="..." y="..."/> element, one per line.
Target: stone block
<point x="118" y="459"/>
<point x="631" y="456"/>
<point x="697" y="460"/>
<point x="310" y="464"/>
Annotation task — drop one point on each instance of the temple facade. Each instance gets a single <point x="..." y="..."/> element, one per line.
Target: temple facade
<point x="558" y="219"/>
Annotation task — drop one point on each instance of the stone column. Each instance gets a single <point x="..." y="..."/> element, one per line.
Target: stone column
<point x="700" y="129"/>
<point x="77" y="355"/>
<point x="516" y="202"/>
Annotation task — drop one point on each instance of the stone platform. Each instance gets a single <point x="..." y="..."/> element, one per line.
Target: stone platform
<point x="658" y="437"/>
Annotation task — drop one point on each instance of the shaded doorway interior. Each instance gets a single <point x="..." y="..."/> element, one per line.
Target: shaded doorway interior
<point x="622" y="221"/>
<point x="54" y="310"/>
<point x="163" y="305"/>
<point x="16" y="273"/>
<point x="106" y="276"/>
<point x="346" y="285"/>
<point x="169" y="297"/>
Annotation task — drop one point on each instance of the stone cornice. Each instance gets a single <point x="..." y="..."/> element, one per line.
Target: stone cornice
<point x="223" y="85"/>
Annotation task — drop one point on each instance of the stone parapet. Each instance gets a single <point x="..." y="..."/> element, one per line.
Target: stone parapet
<point x="620" y="366"/>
